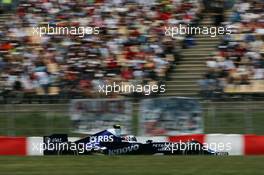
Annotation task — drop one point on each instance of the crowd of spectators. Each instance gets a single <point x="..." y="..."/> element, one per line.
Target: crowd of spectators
<point x="239" y="59"/>
<point x="131" y="46"/>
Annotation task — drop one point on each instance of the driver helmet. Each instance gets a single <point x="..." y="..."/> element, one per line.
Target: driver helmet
<point x="117" y="129"/>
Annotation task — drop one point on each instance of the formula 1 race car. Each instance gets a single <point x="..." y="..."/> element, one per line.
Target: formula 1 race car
<point x="110" y="142"/>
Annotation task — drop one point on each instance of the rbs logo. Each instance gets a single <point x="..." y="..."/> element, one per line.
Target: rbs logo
<point x="105" y="138"/>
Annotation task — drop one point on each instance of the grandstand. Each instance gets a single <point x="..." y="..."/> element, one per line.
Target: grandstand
<point x="236" y="68"/>
<point x="72" y="67"/>
<point x="46" y="69"/>
<point x="185" y="75"/>
<point x="66" y="68"/>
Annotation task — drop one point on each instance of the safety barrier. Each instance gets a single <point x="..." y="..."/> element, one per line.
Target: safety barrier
<point x="235" y="144"/>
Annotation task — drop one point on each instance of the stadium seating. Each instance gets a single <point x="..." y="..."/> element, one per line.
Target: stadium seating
<point x="238" y="65"/>
<point x="129" y="47"/>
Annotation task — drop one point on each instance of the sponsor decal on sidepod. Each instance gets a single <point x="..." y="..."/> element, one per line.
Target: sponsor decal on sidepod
<point x="124" y="150"/>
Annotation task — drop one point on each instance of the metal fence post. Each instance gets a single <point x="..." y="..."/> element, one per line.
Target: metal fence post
<point x="248" y="119"/>
<point x="11" y="122"/>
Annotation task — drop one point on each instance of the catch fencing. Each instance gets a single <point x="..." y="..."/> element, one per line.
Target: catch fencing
<point x="44" y="119"/>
